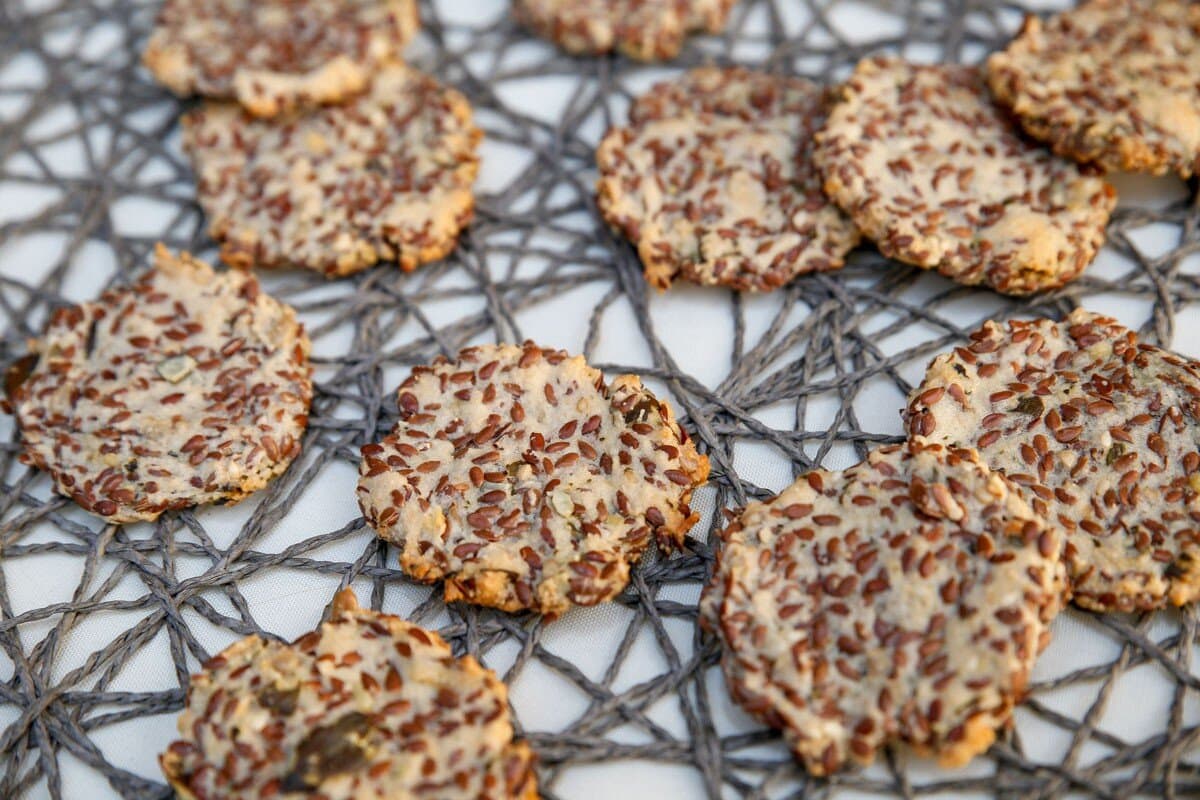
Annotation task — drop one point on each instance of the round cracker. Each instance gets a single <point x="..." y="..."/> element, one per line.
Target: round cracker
<point x="647" y="30"/>
<point x="522" y="479"/>
<point x="1100" y="430"/>
<point x="366" y="706"/>
<point x="713" y="181"/>
<point x="385" y="177"/>
<point x="904" y="599"/>
<point x="1111" y="81"/>
<point x="274" y="56"/>
<point x="187" y="387"/>
<point x="936" y="176"/>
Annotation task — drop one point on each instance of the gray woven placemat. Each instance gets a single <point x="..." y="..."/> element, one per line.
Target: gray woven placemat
<point x="833" y="350"/>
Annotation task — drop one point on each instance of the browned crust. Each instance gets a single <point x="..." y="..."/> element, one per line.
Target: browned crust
<point x="248" y="255"/>
<point x="522" y="774"/>
<point x="1112" y="152"/>
<point x="271" y="74"/>
<point x="649" y="30"/>
<point x="1033" y="225"/>
<point x="1032" y="394"/>
<point x="796" y="656"/>
<point x="698" y="230"/>
<point x="132" y="493"/>
<point x="169" y="762"/>
<point x="551" y="503"/>
<point x="498" y="589"/>
<point x="520" y="761"/>
<point x="334" y="242"/>
<point x="1112" y="143"/>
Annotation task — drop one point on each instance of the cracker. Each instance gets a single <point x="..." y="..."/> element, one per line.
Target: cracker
<point x="713" y="180"/>
<point x="936" y="176"/>
<point x="524" y="481"/>
<point x="647" y="30"/>
<point x="1111" y="82"/>
<point x="1103" y="434"/>
<point x="274" y="56"/>
<point x="904" y="599"/>
<point x="188" y="387"/>
<point x="387" y="177"/>
<point x="366" y="706"/>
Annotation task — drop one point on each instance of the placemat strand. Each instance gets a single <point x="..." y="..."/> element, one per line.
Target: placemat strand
<point x="823" y="343"/>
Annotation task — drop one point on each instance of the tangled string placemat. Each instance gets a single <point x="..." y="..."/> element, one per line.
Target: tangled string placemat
<point x="92" y="617"/>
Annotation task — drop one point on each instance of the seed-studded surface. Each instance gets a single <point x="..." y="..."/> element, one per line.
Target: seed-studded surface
<point x="1112" y="81"/>
<point x="101" y="624"/>
<point x="934" y="173"/>
<point x="385" y="177"/>
<point x="714" y="182"/>
<point x="366" y="706"/>
<point x="277" y="55"/>
<point x="1102" y="433"/>
<point x="647" y="30"/>
<point x="905" y="598"/>
<point x="524" y="481"/>
<point x="188" y="387"/>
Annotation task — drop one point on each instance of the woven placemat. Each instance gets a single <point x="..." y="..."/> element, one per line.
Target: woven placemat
<point x="819" y="353"/>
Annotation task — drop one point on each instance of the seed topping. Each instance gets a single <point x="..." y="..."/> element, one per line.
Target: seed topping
<point x="384" y="177"/>
<point x="367" y="705"/>
<point x="648" y="30"/>
<point x="714" y="183"/>
<point x="1111" y="82"/>
<point x="934" y="173"/>
<point x="274" y="56"/>
<point x="188" y="387"/>
<point x="538" y="510"/>
<point x="914" y="617"/>
<point x="1103" y="436"/>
